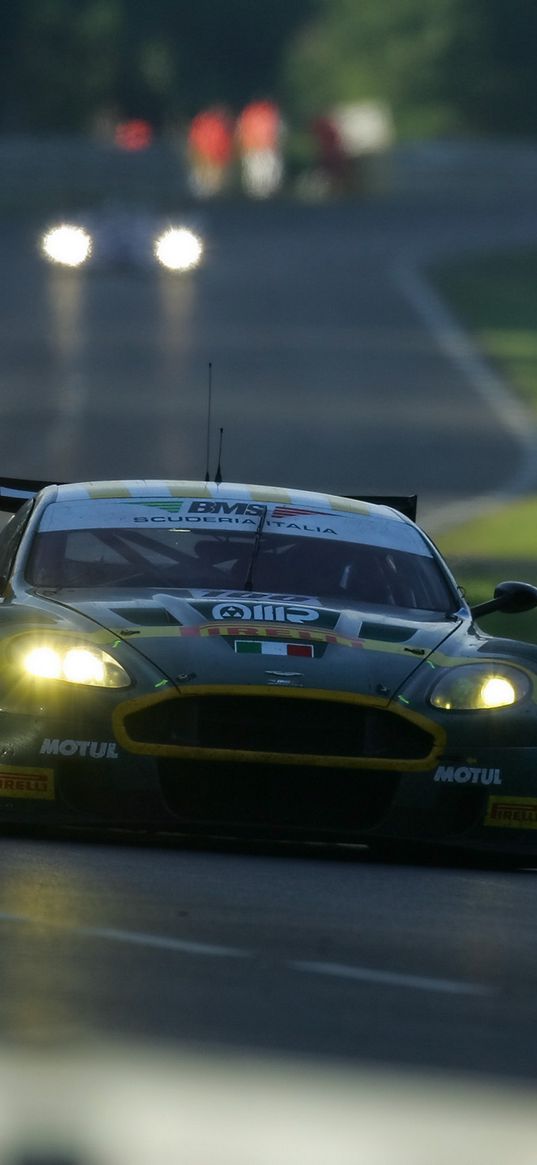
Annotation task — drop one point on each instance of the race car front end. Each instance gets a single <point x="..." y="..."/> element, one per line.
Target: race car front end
<point x="192" y="727"/>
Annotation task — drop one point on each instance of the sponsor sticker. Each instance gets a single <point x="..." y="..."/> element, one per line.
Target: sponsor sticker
<point x="95" y="749"/>
<point x="227" y="509"/>
<point x="261" y="630"/>
<point x="258" y="597"/>
<point x="120" y="511"/>
<point x="237" y="612"/>
<point x="295" y="512"/>
<point x="33" y="784"/>
<point x="467" y="775"/>
<point x="512" y="812"/>
<point x="170" y="506"/>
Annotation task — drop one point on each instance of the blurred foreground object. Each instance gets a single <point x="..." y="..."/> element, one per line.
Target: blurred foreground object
<point x="133" y="135"/>
<point x="366" y="132"/>
<point x="210" y="149"/>
<point x="135" y="1106"/>
<point x="259" y="141"/>
<point x="333" y="174"/>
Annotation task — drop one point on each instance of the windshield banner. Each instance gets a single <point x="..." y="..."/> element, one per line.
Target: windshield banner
<point x="175" y="514"/>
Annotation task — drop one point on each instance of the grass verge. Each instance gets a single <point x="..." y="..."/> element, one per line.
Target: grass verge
<point x="495" y="298"/>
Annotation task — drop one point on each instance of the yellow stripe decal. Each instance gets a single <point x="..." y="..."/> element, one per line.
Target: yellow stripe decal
<point x="262" y="494"/>
<point x="347" y="505"/>
<point x="108" y="490"/>
<point x="188" y="489"/>
<point x="236" y="631"/>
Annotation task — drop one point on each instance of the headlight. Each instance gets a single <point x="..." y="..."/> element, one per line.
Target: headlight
<point x="472" y="687"/>
<point x="74" y="663"/>
<point x="178" y="249"/>
<point x="68" y="245"/>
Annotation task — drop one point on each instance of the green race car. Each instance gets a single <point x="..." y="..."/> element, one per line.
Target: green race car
<point x="230" y="660"/>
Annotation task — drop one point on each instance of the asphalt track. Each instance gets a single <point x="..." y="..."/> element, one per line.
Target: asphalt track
<point x="327" y="373"/>
<point x="288" y="954"/>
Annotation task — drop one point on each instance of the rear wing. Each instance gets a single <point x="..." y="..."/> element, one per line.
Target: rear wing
<point x="14" y="491"/>
<point x="407" y="504"/>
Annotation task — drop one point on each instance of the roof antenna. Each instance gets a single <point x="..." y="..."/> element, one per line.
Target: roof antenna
<point x="209" y="403"/>
<point x="218" y="474"/>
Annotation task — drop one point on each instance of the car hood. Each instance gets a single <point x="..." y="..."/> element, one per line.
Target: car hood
<point x="232" y="638"/>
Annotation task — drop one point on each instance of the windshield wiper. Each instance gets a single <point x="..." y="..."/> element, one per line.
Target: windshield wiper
<point x="248" y="586"/>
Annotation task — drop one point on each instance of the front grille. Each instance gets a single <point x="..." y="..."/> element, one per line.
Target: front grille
<point x="276" y="725"/>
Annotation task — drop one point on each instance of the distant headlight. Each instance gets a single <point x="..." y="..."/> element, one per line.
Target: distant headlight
<point x="178" y="249"/>
<point x="74" y="663"/>
<point x="68" y="245"/>
<point x="474" y="687"/>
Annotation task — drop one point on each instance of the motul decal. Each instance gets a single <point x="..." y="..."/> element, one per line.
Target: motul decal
<point x="467" y="775"/>
<point x="95" y="749"/>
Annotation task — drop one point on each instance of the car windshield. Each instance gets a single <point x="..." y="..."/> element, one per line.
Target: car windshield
<point x="196" y="559"/>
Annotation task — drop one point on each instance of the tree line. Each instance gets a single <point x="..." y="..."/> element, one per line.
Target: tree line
<point x="443" y="66"/>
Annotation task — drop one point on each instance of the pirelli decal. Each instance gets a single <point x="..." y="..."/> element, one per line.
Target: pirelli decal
<point x="512" y="812"/>
<point x="33" y="784"/>
<point x="235" y="630"/>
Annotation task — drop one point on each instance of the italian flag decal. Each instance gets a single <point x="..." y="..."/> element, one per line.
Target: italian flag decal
<point x="271" y="647"/>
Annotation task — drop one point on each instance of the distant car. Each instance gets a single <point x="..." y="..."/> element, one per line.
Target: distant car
<point x="122" y="237"/>
<point x="234" y="659"/>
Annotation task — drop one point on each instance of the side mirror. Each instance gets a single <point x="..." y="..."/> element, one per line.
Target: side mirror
<point x="509" y="597"/>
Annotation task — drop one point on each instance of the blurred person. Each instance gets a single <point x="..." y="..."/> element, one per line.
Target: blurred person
<point x="332" y="158"/>
<point x="210" y="150"/>
<point x="259" y="137"/>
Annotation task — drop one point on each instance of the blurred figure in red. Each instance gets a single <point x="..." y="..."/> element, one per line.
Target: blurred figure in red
<point x="210" y="150"/>
<point x="332" y="158"/>
<point x="259" y="136"/>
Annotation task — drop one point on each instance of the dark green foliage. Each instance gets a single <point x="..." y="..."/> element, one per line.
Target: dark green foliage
<point x="69" y="60"/>
<point x="444" y="66"/>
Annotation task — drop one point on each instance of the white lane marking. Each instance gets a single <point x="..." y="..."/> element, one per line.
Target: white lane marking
<point x="111" y="934"/>
<point x="392" y="978"/>
<point x="163" y="943"/>
<point x="336" y="970"/>
<point x="458" y="346"/>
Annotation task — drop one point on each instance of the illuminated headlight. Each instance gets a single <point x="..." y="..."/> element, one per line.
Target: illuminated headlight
<point x="178" y="249"/>
<point x="478" y="687"/>
<point x="74" y="663"/>
<point x="68" y="245"/>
